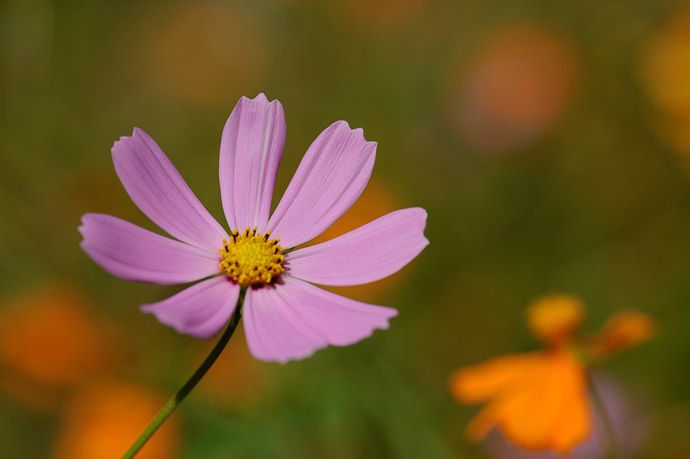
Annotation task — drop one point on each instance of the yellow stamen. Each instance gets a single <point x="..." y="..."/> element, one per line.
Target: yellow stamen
<point x="251" y="258"/>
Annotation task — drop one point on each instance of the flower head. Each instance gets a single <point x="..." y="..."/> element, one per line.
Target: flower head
<point x="286" y="317"/>
<point x="539" y="400"/>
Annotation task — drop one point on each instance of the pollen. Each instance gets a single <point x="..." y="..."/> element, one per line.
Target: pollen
<point x="251" y="258"/>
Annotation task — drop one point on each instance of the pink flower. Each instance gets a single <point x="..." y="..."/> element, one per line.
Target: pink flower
<point x="286" y="317"/>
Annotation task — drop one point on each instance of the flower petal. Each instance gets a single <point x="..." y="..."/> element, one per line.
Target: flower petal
<point x="333" y="173"/>
<point x="200" y="310"/>
<point x="294" y="319"/>
<point x="575" y="423"/>
<point x="161" y="193"/>
<point x="531" y="412"/>
<point x="128" y="251"/>
<point x="250" y="151"/>
<point x="481" y="382"/>
<point x="367" y="254"/>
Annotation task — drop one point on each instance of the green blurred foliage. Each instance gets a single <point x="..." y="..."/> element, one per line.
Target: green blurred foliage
<point x="594" y="203"/>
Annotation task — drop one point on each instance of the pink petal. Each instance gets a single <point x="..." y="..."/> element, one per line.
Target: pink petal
<point x="161" y="193"/>
<point x="330" y="178"/>
<point x="128" y="251"/>
<point x="294" y="319"/>
<point x="250" y="152"/>
<point x="369" y="253"/>
<point x="200" y="310"/>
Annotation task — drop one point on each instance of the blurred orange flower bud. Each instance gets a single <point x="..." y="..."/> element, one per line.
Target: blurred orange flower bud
<point x="622" y="331"/>
<point x="555" y="319"/>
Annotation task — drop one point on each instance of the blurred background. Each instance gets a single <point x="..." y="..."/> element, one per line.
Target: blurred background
<point x="549" y="142"/>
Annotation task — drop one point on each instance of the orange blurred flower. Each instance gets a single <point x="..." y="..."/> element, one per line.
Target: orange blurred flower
<point x="99" y="424"/>
<point x="515" y="89"/>
<point x="539" y="400"/>
<point x="50" y="339"/>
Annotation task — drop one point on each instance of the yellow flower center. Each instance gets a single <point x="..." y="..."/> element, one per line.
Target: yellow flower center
<point x="251" y="258"/>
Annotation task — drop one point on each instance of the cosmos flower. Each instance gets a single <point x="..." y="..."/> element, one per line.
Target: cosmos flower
<point x="539" y="401"/>
<point x="285" y="316"/>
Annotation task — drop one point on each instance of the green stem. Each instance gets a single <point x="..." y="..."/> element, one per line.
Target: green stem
<point x="177" y="399"/>
<point x="611" y="445"/>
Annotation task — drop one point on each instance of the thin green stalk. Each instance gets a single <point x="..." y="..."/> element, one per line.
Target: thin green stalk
<point x="611" y="444"/>
<point x="177" y="399"/>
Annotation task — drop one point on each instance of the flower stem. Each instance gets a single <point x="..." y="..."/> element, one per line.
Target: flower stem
<point x="177" y="399"/>
<point x="611" y="445"/>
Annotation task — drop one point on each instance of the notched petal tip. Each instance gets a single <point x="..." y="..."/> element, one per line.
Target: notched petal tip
<point x="123" y="140"/>
<point x="357" y="133"/>
<point x="259" y="99"/>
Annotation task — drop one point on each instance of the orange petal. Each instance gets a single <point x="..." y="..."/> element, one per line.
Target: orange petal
<point x="622" y="331"/>
<point x="547" y="409"/>
<point x="482" y="424"/>
<point x="480" y="382"/>
<point x="575" y="426"/>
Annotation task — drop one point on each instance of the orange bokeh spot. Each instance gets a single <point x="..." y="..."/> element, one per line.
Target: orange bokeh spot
<point x="202" y="52"/>
<point x="538" y="401"/>
<point x="667" y="66"/>
<point x="377" y="200"/>
<point x="518" y="85"/>
<point x="102" y="422"/>
<point x="51" y="338"/>
<point x="665" y="69"/>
